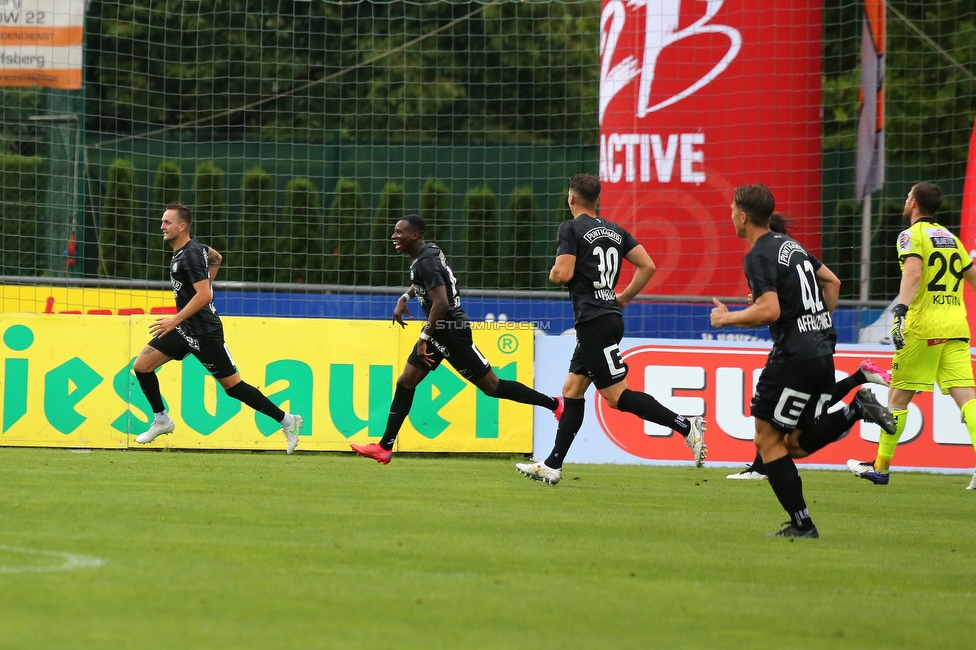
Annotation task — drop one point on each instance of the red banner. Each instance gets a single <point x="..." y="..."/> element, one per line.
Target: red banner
<point x="967" y="230"/>
<point x="697" y="98"/>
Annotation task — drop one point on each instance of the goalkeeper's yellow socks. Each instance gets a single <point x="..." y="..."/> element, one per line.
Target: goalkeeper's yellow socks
<point x="969" y="417"/>
<point x="887" y="442"/>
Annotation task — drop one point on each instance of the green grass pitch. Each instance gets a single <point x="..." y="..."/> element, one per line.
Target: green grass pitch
<point x="264" y="550"/>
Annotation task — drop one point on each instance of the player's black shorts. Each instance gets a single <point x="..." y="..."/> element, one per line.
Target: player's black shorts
<point x="597" y="353"/>
<point x="209" y="349"/>
<point x="792" y="395"/>
<point x="457" y="346"/>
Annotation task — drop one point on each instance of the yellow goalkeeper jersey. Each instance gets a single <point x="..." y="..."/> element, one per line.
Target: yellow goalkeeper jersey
<point x="938" y="310"/>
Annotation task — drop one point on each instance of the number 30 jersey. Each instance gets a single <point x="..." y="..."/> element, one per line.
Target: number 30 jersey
<point x="599" y="246"/>
<point x="938" y="310"/>
<point x="804" y="329"/>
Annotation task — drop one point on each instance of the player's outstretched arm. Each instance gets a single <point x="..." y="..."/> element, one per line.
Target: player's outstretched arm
<point x="402" y="306"/>
<point x="763" y="311"/>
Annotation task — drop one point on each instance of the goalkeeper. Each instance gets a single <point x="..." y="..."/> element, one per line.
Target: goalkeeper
<point x="930" y="331"/>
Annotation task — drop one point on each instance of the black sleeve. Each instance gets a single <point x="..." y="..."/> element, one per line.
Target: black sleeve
<point x="566" y="239"/>
<point x="761" y="273"/>
<point x="429" y="271"/>
<point x="629" y="243"/>
<point x="196" y="264"/>
<point x="815" y="262"/>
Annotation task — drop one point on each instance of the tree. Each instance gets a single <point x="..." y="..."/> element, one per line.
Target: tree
<point x="256" y="242"/>
<point x="480" y="239"/>
<point x="18" y="214"/>
<point x="115" y="223"/>
<point x="518" y="228"/>
<point x="301" y="244"/>
<point x="167" y="188"/>
<point x="351" y="244"/>
<point x="383" y="258"/>
<point x="509" y="72"/>
<point x="210" y="225"/>
<point x="435" y="208"/>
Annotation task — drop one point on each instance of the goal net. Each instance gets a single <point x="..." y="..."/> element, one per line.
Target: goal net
<point x="299" y="132"/>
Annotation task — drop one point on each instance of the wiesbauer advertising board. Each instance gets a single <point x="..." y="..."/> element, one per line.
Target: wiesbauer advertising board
<point x="66" y="381"/>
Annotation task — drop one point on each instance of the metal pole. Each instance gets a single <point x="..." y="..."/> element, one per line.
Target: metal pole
<point x="865" y="248"/>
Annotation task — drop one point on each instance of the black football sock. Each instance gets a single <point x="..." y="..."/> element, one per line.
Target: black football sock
<point x="254" y="398"/>
<point x="828" y="428"/>
<point x="399" y="409"/>
<point x="569" y="425"/>
<point x="846" y="385"/>
<point x="757" y="463"/>
<point x="149" y="383"/>
<point x="788" y="488"/>
<point x="647" y="408"/>
<point x="518" y="392"/>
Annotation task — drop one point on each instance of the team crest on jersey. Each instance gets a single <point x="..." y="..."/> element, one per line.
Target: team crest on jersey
<point x="175" y="267"/>
<point x="905" y="241"/>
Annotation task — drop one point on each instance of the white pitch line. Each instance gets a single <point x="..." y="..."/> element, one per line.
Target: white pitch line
<point x="71" y="561"/>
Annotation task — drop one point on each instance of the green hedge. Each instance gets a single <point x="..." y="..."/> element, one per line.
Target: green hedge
<point x="478" y="256"/>
<point x="167" y="187"/>
<point x="516" y="269"/>
<point x="256" y="243"/>
<point x="348" y="235"/>
<point x="210" y="225"/>
<point x="299" y="258"/>
<point x="386" y="269"/>
<point x="18" y="214"/>
<point x="487" y="248"/>
<point x="116" y="224"/>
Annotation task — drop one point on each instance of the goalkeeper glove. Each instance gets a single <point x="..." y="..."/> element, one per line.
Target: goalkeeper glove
<point x="898" y="326"/>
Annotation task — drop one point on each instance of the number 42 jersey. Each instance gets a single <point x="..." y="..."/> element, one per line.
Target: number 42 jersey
<point x="804" y="329"/>
<point x="599" y="246"/>
<point x="938" y="310"/>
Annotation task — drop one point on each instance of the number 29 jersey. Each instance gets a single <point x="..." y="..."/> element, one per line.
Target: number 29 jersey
<point x="938" y="310"/>
<point x="804" y="329"/>
<point x="599" y="246"/>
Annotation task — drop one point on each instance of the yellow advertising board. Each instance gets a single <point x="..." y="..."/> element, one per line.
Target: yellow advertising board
<point x="66" y="381"/>
<point x="29" y="299"/>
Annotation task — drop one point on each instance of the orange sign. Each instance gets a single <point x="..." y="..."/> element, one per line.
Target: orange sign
<point x="41" y="43"/>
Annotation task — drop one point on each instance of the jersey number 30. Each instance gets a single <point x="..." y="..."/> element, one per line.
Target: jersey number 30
<point x="607" y="265"/>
